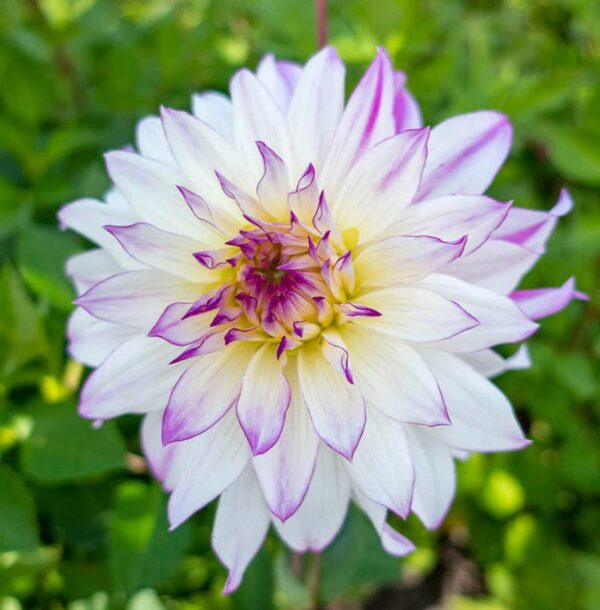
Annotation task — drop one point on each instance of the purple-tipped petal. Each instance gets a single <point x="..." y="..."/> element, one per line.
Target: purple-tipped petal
<point x="543" y="302"/>
<point x="264" y="399"/>
<point x="204" y="393"/>
<point x="465" y="153"/>
<point x="336" y="407"/>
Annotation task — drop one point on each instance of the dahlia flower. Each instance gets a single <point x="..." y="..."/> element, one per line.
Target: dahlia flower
<point x="301" y="296"/>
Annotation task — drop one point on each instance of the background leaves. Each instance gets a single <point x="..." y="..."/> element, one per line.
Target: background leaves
<point x="82" y="526"/>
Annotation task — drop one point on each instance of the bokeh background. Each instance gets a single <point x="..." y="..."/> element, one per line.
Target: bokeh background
<point x="82" y="525"/>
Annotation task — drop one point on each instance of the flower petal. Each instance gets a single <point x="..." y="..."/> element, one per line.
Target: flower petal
<point x="151" y="189"/>
<point x="415" y="314"/>
<point x="89" y="216"/>
<point x="151" y="141"/>
<point x="406" y="110"/>
<point x="285" y="471"/>
<point x="497" y="265"/>
<point x="435" y="478"/>
<point x="214" y="108"/>
<point x="382" y="467"/>
<point x="393" y="378"/>
<point x="451" y="218"/>
<point x="403" y="259"/>
<point x="392" y="541"/>
<point x="482" y="418"/>
<point x="531" y="229"/>
<point x="264" y="399"/>
<point x="241" y="524"/>
<point x="161" y="250"/>
<point x="91" y="340"/>
<point x="200" y="151"/>
<point x="465" y="153"/>
<point x="166" y="463"/>
<point x="321" y="514"/>
<point x="336" y="406"/>
<point x="367" y="119"/>
<point x="205" y="392"/>
<point x="279" y="79"/>
<point x="218" y="458"/>
<point x="381" y="184"/>
<point x="135" y="298"/>
<point x="500" y="320"/>
<point x="490" y="364"/>
<point x="173" y="325"/>
<point x="543" y="302"/>
<point x="274" y="186"/>
<point x="316" y="108"/>
<point x="256" y="118"/>
<point x="135" y="378"/>
<point x="91" y="267"/>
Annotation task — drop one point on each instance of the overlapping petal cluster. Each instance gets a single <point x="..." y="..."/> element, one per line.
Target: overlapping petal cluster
<point x="301" y="295"/>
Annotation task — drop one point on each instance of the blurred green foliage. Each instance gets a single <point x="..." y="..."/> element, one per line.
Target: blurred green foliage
<point x="82" y="526"/>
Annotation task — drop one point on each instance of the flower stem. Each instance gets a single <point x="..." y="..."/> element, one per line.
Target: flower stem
<point x="321" y="17"/>
<point x="313" y="582"/>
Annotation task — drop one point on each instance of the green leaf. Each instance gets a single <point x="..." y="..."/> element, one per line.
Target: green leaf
<point x="144" y="553"/>
<point x="64" y="447"/>
<point x="42" y="254"/>
<point x="370" y="564"/>
<point x="18" y="521"/>
<point x="256" y="590"/>
<point x="575" y="152"/>
<point x="21" y="331"/>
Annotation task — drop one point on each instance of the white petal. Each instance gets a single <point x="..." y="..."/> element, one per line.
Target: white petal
<point x="465" y="153"/>
<point x="415" y="314"/>
<point x="285" y="471"/>
<point x="135" y="378"/>
<point x="321" y="514"/>
<point x="482" y="418"/>
<point x="316" y="108"/>
<point x="403" y="259"/>
<point x="279" y="79"/>
<point x="382" y="467"/>
<point x="435" y="478"/>
<point x="92" y="340"/>
<point x="491" y="364"/>
<point x="162" y="250"/>
<point x="367" y="120"/>
<point x="256" y="118"/>
<point x="241" y="524"/>
<point x="336" y="406"/>
<point x="219" y="457"/>
<point x="151" y="140"/>
<point x="214" y="108"/>
<point x="205" y="392"/>
<point x="89" y="216"/>
<point x="91" y="267"/>
<point x="264" y="399"/>
<point x="381" y="184"/>
<point x="451" y="218"/>
<point x="136" y="298"/>
<point x="166" y="462"/>
<point x="500" y="320"/>
<point x="392" y="541"/>
<point x="497" y="265"/>
<point x="151" y="189"/>
<point x="200" y="151"/>
<point x="393" y="377"/>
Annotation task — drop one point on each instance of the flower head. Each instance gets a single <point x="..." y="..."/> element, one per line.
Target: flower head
<point x="301" y="295"/>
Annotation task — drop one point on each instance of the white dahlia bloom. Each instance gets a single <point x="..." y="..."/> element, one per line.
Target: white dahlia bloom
<point x="301" y="295"/>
